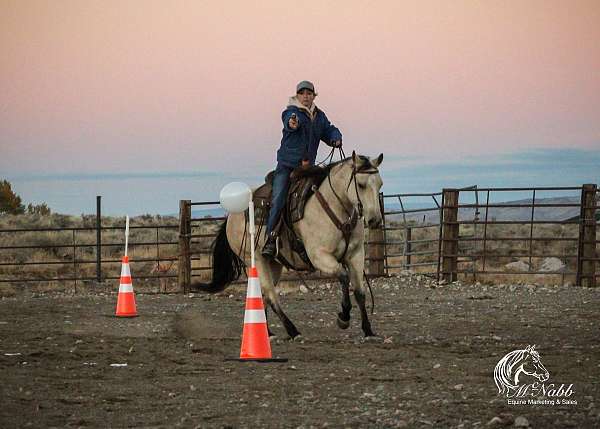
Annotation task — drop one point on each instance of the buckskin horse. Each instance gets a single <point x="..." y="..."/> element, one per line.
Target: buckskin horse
<point x="331" y="230"/>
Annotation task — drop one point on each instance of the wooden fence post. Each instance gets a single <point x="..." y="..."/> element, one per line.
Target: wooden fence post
<point x="450" y="235"/>
<point x="377" y="247"/>
<point x="586" y="254"/>
<point x="184" y="264"/>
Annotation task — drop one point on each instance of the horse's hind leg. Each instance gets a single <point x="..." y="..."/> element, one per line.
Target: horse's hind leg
<point x="271" y="334"/>
<point x="290" y="328"/>
<point x="271" y="273"/>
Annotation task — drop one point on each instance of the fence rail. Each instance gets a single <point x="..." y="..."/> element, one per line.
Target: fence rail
<point x="88" y="250"/>
<point x="445" y="235"/>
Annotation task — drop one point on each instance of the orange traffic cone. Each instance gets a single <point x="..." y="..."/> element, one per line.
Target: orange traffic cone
<point x="126" y="300"/>
<point x="255" y="338"/>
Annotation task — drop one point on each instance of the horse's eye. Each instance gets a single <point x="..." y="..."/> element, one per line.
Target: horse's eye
<point x="361" y="186"/>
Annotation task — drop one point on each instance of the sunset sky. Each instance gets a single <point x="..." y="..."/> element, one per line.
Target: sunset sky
<point x="167" y="87"/>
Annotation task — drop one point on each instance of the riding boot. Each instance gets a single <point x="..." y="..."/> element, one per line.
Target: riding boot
<point x="270" y="248"/>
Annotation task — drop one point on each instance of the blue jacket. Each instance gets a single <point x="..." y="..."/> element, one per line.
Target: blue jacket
<point x="303" y="142"/>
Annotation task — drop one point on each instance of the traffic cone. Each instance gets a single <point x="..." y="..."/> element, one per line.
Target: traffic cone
<point x="126" y="300"/>
<point x="255" y="338"/>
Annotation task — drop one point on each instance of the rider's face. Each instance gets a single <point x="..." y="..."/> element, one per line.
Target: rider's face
<point x="306" y="97"/>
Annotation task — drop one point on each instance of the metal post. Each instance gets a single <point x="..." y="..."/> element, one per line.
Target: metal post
<point x="531" y="230"/>
<point x="407" y="247"/>
<point x="74" y="264"/>
<point x="450" y="235"/>
<point x="98" y="239"/>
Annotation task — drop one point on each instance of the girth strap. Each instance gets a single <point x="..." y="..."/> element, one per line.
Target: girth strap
<point x="347" y="227"/>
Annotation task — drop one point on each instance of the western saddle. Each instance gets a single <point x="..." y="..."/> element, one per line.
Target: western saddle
<point x="303" y="181"/>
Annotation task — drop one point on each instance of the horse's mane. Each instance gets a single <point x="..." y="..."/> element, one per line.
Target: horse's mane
<point x="365" y="166"/>
<point x="504" y="370"/>
<point x="320" y="173"/>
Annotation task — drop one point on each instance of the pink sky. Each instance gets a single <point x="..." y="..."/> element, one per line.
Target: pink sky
<point x="167" y="86"/>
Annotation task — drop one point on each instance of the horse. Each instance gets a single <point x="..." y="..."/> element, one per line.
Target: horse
<point x="511" y="366"/>
<point x="333" y="247"/>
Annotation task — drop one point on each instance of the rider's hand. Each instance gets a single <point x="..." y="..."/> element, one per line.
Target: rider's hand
<point x="336" y="143"/>
<point x="305" y="163"/>
<point x="293" y="122"/>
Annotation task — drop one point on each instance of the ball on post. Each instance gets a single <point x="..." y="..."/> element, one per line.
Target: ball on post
<point x="235" y="197"/>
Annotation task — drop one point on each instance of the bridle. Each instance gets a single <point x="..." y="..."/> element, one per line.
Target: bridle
<point x="354" y="214"/>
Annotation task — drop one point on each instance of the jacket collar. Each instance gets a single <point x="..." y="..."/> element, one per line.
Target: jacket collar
<point x="310" y="111"/>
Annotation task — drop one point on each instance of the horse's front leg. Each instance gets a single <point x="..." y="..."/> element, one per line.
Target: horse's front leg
<point x="343" y="319"/>
<point x="356" y="265"/>
<point x="325" y="262"/>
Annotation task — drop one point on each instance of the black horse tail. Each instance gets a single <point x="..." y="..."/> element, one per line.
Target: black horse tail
<point x="227" y="265"/>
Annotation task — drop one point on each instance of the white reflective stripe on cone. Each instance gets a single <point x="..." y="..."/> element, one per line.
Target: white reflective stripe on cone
<point x="253" y="288"/>
<point x="125" y="288"/>
<point x="125" y="270"/>
<point x="255" y="316"/>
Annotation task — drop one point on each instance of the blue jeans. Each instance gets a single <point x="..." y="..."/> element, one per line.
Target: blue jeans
<point x="281" y="182"/>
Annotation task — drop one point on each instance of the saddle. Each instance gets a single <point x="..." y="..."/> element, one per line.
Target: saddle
<point x="300" y="190"/>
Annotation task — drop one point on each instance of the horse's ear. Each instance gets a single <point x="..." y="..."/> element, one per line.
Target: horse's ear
<point x="528" y="348"/>
<point x="354" y="157"/>
<point x="532" y="348"/>
<point x="377" y="162"/>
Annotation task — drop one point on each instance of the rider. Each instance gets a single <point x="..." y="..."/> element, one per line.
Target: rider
<point x="304" y="125"/>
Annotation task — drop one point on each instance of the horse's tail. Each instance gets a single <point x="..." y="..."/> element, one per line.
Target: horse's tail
<point x="227" y="265"/>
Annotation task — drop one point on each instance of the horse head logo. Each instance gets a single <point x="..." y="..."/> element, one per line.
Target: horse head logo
<point x="517" y="363"/>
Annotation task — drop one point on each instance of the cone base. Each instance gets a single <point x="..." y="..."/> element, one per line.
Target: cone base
<point x="255" y="360"/>
<point x="126" y="305"/>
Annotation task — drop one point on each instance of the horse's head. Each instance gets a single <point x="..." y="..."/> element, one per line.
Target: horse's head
<point x="532" y="365"/>
<point x="365" y="172"/>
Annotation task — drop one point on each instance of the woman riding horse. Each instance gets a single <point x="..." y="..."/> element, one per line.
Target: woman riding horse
<point x="304" y="125"/>
<point x="332" y="231"/>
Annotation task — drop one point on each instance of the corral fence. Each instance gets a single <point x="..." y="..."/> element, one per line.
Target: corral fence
<point x="463" y="233"/>
<point x="87" y="254"/>
<point x="466" y="233"/>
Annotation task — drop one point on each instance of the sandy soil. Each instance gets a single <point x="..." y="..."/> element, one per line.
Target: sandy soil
<point x="433" y="366"/>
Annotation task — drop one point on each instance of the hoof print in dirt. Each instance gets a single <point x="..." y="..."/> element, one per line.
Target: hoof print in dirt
<point x="373" y="339"/>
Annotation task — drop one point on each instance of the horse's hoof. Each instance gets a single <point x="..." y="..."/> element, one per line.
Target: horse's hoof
<point x="297" y="339"/>
<point x="343" y="324"/>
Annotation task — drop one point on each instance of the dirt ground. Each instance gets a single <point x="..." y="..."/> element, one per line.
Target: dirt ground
<point x="62" y="359"/>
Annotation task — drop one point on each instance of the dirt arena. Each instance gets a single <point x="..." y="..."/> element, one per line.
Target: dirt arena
<point x="66" y="362"/>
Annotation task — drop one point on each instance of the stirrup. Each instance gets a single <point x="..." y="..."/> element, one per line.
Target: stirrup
<point x="269" y="250"/>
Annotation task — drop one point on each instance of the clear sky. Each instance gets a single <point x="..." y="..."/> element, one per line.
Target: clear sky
<point x="89" y="87"/>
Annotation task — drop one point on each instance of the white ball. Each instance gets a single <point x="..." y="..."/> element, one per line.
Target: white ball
<point x="235" y="197"/>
